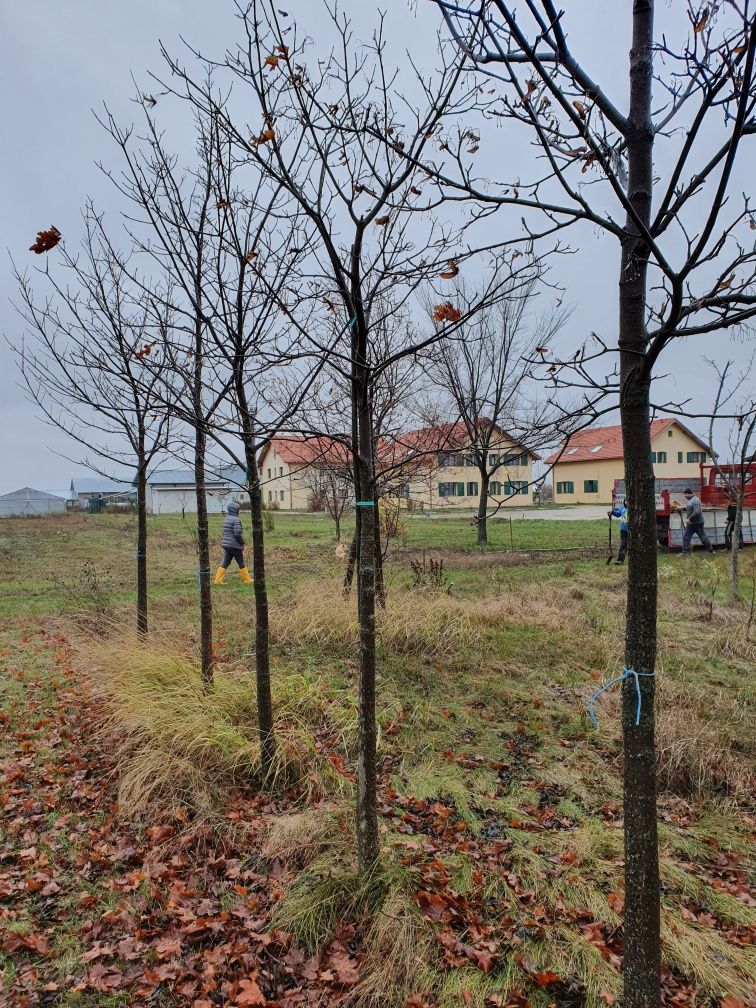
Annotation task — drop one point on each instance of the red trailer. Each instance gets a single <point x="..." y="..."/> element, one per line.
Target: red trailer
<point x="670" y="523"/>
<point x="718" y="480"/>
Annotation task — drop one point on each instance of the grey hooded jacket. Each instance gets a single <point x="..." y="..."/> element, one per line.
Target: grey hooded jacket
<point x="233" y="536"/>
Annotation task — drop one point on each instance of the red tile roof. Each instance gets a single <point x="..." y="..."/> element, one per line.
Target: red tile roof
<point x="323" y="450"/>
<point x="579" y="446"/>
<point x="305" y="450"/>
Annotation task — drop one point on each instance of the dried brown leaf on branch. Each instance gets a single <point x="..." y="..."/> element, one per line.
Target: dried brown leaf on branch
<point x="726" y="283"/>
<point x="451" y="272"/>
<point x="46" y="240"/>
<point x="282" y="50"/>
<point x="699" y="26"/>
<point x="251" y="255"/>
<point x="382" y="221"/>
<point x="446" y="312"/>
<point x="144" y="352"/>
<point x="271" y="61"/>
<point x="580" y="109"/>
<point x="266" y="136"/>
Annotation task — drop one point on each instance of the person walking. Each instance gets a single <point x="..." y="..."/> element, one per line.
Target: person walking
<point x="694" y="524"/>
<point x="621" y="512"/>
<point x="233" y="545"/>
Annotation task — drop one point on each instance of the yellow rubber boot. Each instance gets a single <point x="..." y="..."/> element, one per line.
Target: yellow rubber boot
<point x="219" y="575"/>
<point x="244" y="574"/>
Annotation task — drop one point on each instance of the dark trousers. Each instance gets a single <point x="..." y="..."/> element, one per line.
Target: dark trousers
<point x="695" y="528"/>
<point x="623" y="546"/>
<point x="229" y="554"/>
<point x="729" y="529"/>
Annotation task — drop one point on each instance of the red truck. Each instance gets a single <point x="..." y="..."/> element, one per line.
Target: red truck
<point x="712" y="486"/>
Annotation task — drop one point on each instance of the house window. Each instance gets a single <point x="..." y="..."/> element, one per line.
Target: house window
<point x="472" y="489"/>
<point x="270" y="494"/>
<point x="590" y="486"/>
<point x="660" y="456"/>
<point x="669" y="433"/>
<point x="679" y="456"/>
<point x="268" y="473"/>
<point x="567" y="487"/>
<point x="280" y="470"/>
<point x="451" y="489"/>
<point x="445" y="459"/>
<point x="282" y="495"/>
<point x="653" y="457"/>
<point x="493" y="461"/>
<point x="494" y="488"/>
<point x="695" y="457"/>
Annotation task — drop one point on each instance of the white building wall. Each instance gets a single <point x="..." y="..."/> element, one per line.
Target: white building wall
<point x="170" y="500"/>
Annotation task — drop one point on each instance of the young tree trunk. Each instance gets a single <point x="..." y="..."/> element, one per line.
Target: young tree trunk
<point x="262" y="626"/>
<point x="735" y="548"/>
<point x="483" y="508"/>
<point x="367" y="804"/>
<point x="141" y="550"/>
<point x="380" y="587"/>
<point x="203" y="561"/>
<point x="641" y="924"/>
<point x="337" y="520"/>
<point x="351" y="561"/>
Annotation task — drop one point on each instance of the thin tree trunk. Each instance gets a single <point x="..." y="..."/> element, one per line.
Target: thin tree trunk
<point x="641" y="924"/>
<point x="367" y="806"/>
<point x="262" y="626"/>
<point x="141" y="550"/>
<point x="203" y="560"/>
<point x="351" y="561"/>
<point x="337" y="519"/>
<point x="380" y="587"/>
<point x="482" y="522"/>
<point x="735" y="547"/>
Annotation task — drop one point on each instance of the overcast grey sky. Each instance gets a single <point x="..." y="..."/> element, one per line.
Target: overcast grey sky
<point x="59" y="61"/>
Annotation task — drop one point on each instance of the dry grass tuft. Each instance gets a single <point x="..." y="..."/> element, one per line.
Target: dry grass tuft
<point x="398" y="947"/>
<point x="302" y="836"/>
<point x="180" y="743"/>
<point x="412" y="623"/>
<point x="698" y="743"/>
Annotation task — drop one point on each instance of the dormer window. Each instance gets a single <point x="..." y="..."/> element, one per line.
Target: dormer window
<point x="596" y="448"/>
<point x="571" y="451"/>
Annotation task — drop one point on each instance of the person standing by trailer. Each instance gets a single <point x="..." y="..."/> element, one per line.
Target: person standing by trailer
<point x="694" y="524"/>
<point x="732" y="513"/>
<point x="620" y="511"/>
<point x="233" y="545"/>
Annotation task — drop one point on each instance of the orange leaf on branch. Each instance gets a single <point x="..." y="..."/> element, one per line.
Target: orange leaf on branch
<point x="46" y="240"/>
<point x="451" y="272"/>
<point x="699" y="26"/>
<point x="271" y="61"/>
<point x="382" y="221"/>
<point x="446" y="312"/>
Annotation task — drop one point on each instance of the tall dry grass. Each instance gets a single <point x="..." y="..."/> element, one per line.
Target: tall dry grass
<point x="431" y="625"/>
<point x="177" y="742"/>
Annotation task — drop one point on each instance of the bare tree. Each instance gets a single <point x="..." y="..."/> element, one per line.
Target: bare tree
<point x="329" y="132"/>
<point x="683" y="271"/>
<point x="735" y="475"/>
<point x="170" y="223"/>
<point x="488" y="388"/>
<point x="82" y="362"/>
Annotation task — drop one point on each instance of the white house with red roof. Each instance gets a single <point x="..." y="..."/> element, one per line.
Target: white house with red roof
<point x="587" y="465"/>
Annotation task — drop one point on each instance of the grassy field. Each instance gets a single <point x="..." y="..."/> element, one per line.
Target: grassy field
<point x="140" y="866"/>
